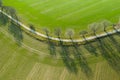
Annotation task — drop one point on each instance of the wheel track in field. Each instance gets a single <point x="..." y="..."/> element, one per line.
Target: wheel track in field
<point x="27" y="47"/>
<point x="57" y="39"/>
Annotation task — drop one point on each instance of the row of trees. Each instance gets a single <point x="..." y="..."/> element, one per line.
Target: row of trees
<point x="101" y="46"/>
<point x="9" y="10"/>
<point x="105" y="49"/>
<point x="94" y="28"/>
<point x="13" y="27"/>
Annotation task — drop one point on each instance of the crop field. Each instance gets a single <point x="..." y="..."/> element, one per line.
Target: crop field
<point x="75" y="14"/>
<point x="24" y="57"/>
<point x="33" y="61"/>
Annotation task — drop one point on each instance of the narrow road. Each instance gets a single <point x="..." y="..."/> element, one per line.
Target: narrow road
<point x="57" y="39"/>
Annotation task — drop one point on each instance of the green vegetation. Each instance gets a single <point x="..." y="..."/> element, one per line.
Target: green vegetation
<point x="13" y="28"/>
<point x="76" y="14"/>
<point x="34" y="61"/>
<point x="23" y="57"/>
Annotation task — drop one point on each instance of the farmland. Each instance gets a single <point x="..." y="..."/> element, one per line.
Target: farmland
<point x="23" y="56"/>
<point x="64" y="14"/>
<point x="33" y="61"/>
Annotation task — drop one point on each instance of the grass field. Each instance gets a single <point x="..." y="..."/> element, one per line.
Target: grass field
<point x="37" y="60"/>
<point x="32" y="61"/>
<point x="76" y="14"/>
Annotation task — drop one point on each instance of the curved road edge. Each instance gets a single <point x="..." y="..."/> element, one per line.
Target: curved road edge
<point x="57" y="39"/>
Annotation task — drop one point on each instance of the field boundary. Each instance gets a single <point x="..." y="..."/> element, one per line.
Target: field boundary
<point x="25" y="28"/>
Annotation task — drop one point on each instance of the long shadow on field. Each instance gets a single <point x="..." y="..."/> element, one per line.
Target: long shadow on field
<point x="13" y="28"/>
<point x="91" y="49"/>
<point x="109" y="54"/>
<point x="16" y="31"/>
<point x="3" y="19"/>
<point x="114" y="42"/>
<point x="52" y="48"/>
<point x="68" y="61"/>
<point x="81" y="60"/>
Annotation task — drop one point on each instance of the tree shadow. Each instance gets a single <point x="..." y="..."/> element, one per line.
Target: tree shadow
<point x="114" y="42"/>
<point x="91" y="48"/>
<point x="13" y="27"/>
<point x="3" y="19"/>
<point x="16" y="31"/>
<point x="81" y="60"/>
<point x="110" y="55"/>
<point x="51" y="45"/>
<point x="51" y="48"/>
<point x="68" y="61"/>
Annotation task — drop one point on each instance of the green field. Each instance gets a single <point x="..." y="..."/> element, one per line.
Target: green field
<point x="27" y="58"/>
<point x="76" y="14"/>
<point x="33" y="61"/>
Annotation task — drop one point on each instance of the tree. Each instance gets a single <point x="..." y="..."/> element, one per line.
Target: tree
<point x="114" y="27"/>
<point x="3" y="19"/>
<point x="32" y="28"/>
<point x="58" y="32"/>
<point x="70" y="33"/>
<point x="9" y="10"/>
<point x="16" y="31"/>
<point x="105" y="24"/>
<point x="51" y="45"/>
<point x="117" y="26"/>
<point x="47" y="32"/>
<point x="13" y="27"/>
<point x="94" y="27"/>
<point x="83" y="33"/>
